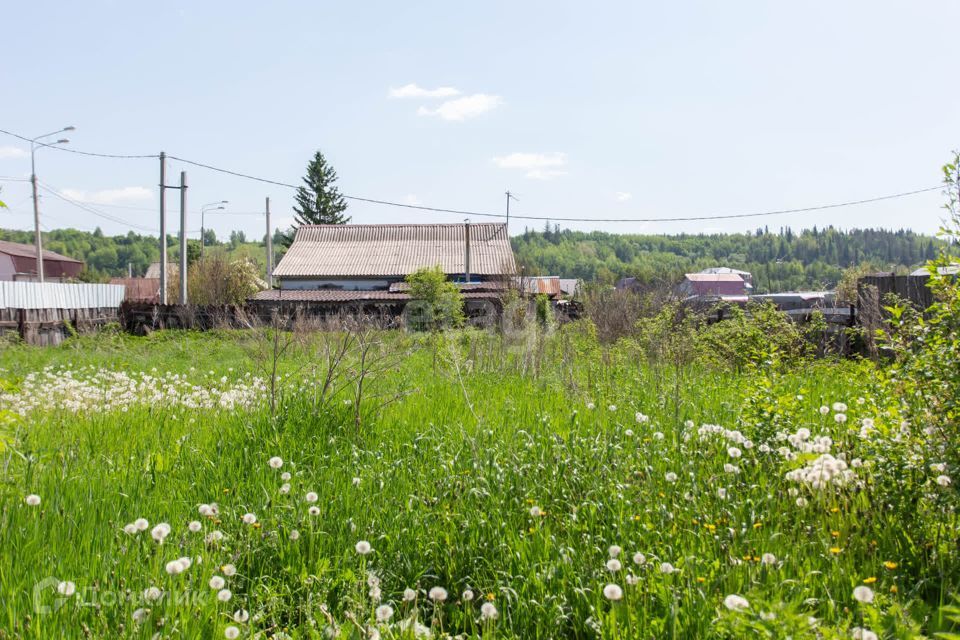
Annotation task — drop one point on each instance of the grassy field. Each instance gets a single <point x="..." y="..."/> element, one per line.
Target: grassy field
<point x="535" y="487"/>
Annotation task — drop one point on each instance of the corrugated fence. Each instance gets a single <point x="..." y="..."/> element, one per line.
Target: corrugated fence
<point x="55" y="295"/>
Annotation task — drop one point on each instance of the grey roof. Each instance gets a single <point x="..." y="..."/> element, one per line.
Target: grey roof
<point x="395" y="250"/>
<point x="335" y="296"/>
<point x="948" y="270"/>
<point x="29" y="251"/>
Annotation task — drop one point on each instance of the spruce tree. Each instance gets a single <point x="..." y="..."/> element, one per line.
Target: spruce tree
<point x="319" y="202"/>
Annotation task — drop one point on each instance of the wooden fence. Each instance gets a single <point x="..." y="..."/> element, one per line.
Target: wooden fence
<point x="49" y="327"/>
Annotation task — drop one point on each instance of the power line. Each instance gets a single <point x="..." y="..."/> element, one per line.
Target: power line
<point x="80" y="205"/>
<point x="482" y="214"/>
<point x="82" y="153"/>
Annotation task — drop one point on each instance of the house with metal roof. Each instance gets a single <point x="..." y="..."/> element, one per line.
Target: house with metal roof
<point x="372" y="257"/>
<point x="18" y="262"/>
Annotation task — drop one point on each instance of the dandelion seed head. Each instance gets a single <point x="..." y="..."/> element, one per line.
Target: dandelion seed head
<point x="613" y="592"/>
<point x="231" y="632"/>
<point x="488" y="611"/>
<point x="363" y="547"/>
<point x="224" y="595"/>
<point x="437" y="594"/>
<point x="384" y="613"/>
<point x="195" y="526"/>
<point x="275" y="462"/>
<point x="32" y="500"/>
<point x="863" y="594"/>
<point x="66" y="588"/>
<point x="733" y="602"/>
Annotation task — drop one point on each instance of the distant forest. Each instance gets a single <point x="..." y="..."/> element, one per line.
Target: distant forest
<point x="779" y="261"/>
<point x="107" y="256"/>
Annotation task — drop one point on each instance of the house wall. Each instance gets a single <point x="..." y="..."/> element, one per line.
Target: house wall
<point x="301" y="284"/>
<point x="7" y="270"/>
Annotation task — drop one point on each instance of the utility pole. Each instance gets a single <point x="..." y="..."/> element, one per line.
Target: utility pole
<point x="269" y="249"/>
<point x="183" y="237"/>
<point x="163" y="228"/>
<point x="510" y="197"/>
<point x="36" y="222"/>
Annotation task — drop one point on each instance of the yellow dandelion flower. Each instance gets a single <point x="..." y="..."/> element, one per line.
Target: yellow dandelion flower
<point x="835" y="534"/>
<point x="893" y="588"/>
<point x="834" y="509"/>
<point x="890" y="565"/>
<point x="870" y="580"/>
<point x="834" y="550"/>
<point x="757" y="525"/>
<point x="701" y="579"/>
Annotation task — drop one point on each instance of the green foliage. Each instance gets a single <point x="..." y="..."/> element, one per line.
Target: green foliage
<point x="319" y="201"/>
<point x="779" y="261"/>
<point x="437" y="303"/>
<point x="218" y="280"/>
<point x="750" y="337"/>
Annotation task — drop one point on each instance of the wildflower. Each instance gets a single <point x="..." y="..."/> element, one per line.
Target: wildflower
<point x="363" y="547"/>
<point x="734" y="452"/>
<point x="206" y="510"/>
<point x="224" y="595"/>
<point x="722" y="493"/>
<point x="729" y="468"/>
<point x="249" y="518"/>
<point x="944" y="481"/>
<point x="835" y="550"/>
<point x="839" y="407"/>
<point x="535" y="511"/>
<point x="859" y="633"/>
<point x="671" y="476"/>
<point x="409" y="595"/>
<point x="140" y="615"/>
<point x="229" y="570"/>
<point x="801" y="502"/>
<point x="632" y="580"/>
<point x="195" y="526"/>
<point x="141" y="524"/>
<point x="216" y="583"/>
<point x="613" y="592"/>
<point x="231" y="632"/>
<point x="438" y="594"/>
<point x="641" y="418"/>
<point x="241" y="616"/>
<point x="467" y="596"/>
<point x="312" y="497"/>
<point x="639" y="558"/>
<point x="314" y="510"/>
<point x="733" y="602"/>
<point x="175" y="567"/>
<point x="666" y="567"/>
<point x="863" y="594"/>
<point x="628" y="433"/>
<point x="130" y="529"/>
<point x="768" y="616"/>
<point x="32" y="500"/>
<point x="160" y="532"/>
<point x="151" y="594"/>
<point x="824" y="410"/>
<point x="890" y="565"/>
<point x="285" y="476"/>
<point x="275" y="462"/>
<point x="285" y="488"/>
<point x="870" y="580"/>
<point x="384" y="613"/>
<point x="613" y="565"/>
<point x="488" y="611"/>
<point x="591" y="406"/>
<point x="768" y="559"/>
<point x="612" y="407"/>
<point x="214" y="537"/>
<point x="356" y="481"/>
<point x="66" y="588"/>
<point x="294" y="535"/>
<point x="657" y="435"/>
<point x="614" y="551"/>
<point x="840" y="418"/>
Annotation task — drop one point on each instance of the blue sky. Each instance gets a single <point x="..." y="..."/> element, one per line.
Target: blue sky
<point x="593" y="110"/>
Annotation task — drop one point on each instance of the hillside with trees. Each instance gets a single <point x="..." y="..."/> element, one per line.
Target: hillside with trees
<point x="108" y="256"/>
<point x="779" y="261"/>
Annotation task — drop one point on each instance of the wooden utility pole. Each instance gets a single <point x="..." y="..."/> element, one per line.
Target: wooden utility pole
<point x="269" y="248"/>
<point x="183" y="237"/>
<point x="163" y="228"/>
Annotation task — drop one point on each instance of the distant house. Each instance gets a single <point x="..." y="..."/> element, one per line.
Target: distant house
<point x="745" y="275"/>
<point x="364" y="266"/>
<point x="18" y="262"/>
<point x="713" y="284"/>
<point x="153" y="271"/>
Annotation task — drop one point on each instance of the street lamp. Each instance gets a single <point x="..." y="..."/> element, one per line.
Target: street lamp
<point x="213" y="206"/>
<point x="33" y="181"/>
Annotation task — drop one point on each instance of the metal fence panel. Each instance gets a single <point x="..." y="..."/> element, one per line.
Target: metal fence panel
<point x="58" y="295"/>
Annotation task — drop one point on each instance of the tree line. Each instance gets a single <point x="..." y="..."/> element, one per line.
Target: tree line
<point x="781" y="260"/>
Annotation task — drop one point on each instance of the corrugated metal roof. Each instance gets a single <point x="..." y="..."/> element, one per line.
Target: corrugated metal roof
<point x="714" y="277"/>
<point x="549" y="285"/>
<point x="29" y="251"/>
<point x="395" y="250"/>
<point x="328" y="295"/>
<point x="55" y="295"/>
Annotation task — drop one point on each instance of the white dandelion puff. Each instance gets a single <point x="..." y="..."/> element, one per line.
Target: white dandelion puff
<point x="231" y="632"/>
<point x="66" y="588"/>
<point x="613" y="592"/>
<point x="195" y="526"/>
<point x="32" y="500"/>
<point x="384" y="613"/>
<point x="224" y="595"/>
<point x="241" y="616"/>
<point x="363" y="547"/>
<point x="249" y="518"/>
<point x="488" y="611"/>
<point x="613" y="565"/>
<point x="312" y="497"/>
<point x="733" y="602"/>
<point x="437" y="594"/>
<point x="217" y="582"/>
<point x="275" y="462"/>
<point x="863" y="594"/>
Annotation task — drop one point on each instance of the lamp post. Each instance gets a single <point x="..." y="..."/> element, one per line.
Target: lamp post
<point x="213" y="206"/>
<point x="33" y="184"/>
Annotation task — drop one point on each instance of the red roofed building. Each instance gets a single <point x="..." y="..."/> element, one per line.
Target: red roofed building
<point x="713" y="284"/>
<point x="18" y="262"/>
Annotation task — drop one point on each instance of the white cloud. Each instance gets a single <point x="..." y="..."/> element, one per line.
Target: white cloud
<point x="12" y="152"/>
<point x="110" y="196"/>
<point x="622" y="196"/>
<point x="538" y="166"/>
<point x="463" y="108"/>
<point x="412" y="199"/>
<point x="415" y="91"/>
